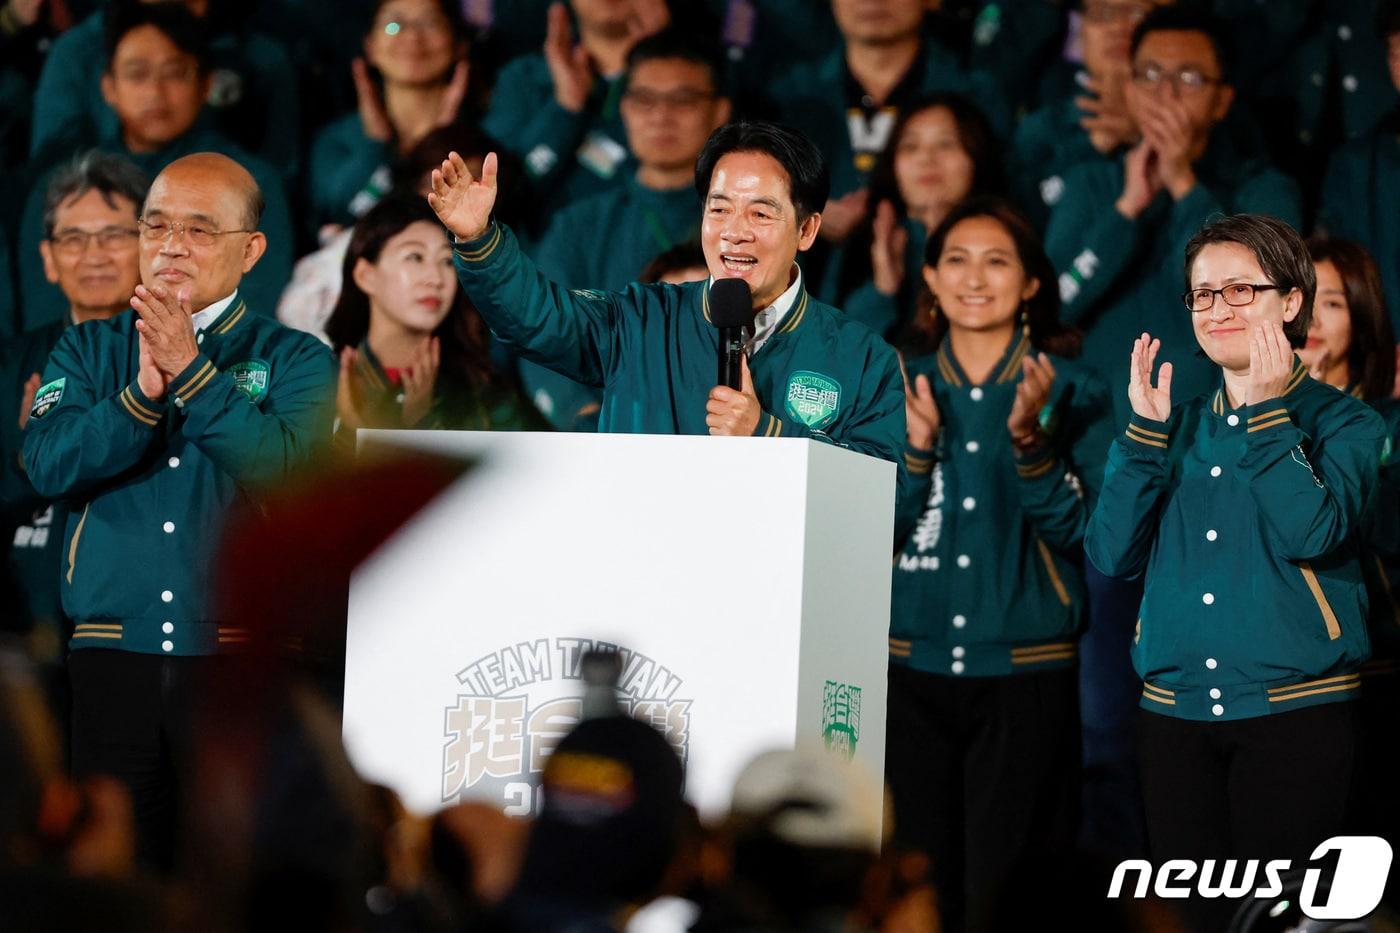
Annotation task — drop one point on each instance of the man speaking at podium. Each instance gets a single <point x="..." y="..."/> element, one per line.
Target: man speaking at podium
<point x="653" y="349"/>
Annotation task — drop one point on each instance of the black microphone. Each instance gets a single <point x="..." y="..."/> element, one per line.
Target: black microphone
<point x="731" y="310"/>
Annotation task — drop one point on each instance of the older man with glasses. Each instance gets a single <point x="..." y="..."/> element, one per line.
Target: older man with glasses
<point x="153" y="426"/>
<point x="89" y="252"/>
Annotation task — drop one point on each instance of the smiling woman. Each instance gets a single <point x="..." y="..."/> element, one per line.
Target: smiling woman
<point x="1244" y="509"/>
<point x="413" y="351"/>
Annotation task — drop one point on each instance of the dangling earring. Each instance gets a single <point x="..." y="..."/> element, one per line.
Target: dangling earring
<point x="1024" y="320"/>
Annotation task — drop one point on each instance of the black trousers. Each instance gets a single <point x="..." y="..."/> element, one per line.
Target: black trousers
<point x="132" y="720"/>
<point x="1270" y="787"/>
<point x="984" y="773"/>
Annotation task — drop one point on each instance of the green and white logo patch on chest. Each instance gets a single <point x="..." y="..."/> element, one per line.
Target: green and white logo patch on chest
<point x="252" y="379"/>
<point x="48" y="396"/>
<point x="813" y="399"/>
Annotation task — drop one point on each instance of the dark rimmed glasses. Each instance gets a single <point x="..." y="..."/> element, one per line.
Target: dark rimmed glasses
<point x="1236" y="295"/>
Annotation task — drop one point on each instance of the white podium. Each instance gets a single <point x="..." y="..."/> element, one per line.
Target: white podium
<point x="746" y="581"/>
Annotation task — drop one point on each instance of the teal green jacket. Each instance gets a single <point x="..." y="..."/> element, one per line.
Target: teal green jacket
<point x="1248" y="526"/>
<point x="1048" y="143"/>
<point x="636" y="223"/>
<point x="988" y="575"/>
<point x="1120" y="277"/>
<point x="652" y="350"/>
<point x="149" y="482"/>
<point x="568" y="156"/>
<point x="812" y="97"/>
<point x="42" y="301"/>
<point x="254" y="96"/>
<point x="1359" y="195"/>
<point x="348" y="172"/>
<point x="31" y="526"/>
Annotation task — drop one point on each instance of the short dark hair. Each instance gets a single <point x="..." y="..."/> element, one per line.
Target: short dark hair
<point x="185" y="30"/>
<point x="1371" y="356"/>
<point x="1281" y="254"/>
<point x="1184" y="18"/>
<point x="253" y="207"/>
<point x="1043" y="325"/>
<point x="809" y="179"/>
<point x="109" y="175"/>
<point x="685" y="255"/>
<point x="672" y="44"/>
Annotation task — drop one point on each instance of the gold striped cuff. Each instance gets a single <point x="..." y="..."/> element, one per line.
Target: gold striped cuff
<point x="1145" y="436"/>
<point x="137" y="409"/>
<point x="1269" y="419"/>
<point x="196" y="383"/>
<point x="483" y="252"/>
<point x="919" y="466"/>
<point x="1034" y="470"/>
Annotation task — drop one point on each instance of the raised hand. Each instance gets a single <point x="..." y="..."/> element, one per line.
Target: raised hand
<point x="1033" y="391"/>
<point x="921" y="416"/>
<point x="1149" y="401"/>
<point x="374" y="119"/>
<point x="1106" y="118"/>
<point x="1166" y="127"/>
<point x="167" y="323"/>
<point x="734" y="414"/>
<point x="26" y="402"/>
<point x="841" y="215"/>
<point x="347" y="400"/>
<point x="462" y="203"/>
<point x="569" y="67"/>
<point x="1141" y="181"/>
<point x="887" y="248"/>
<point x="419" y="381"/>
<point x="1270" y="363"/>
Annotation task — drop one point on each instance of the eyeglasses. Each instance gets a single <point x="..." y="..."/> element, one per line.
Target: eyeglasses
<point x="1236" y="295"/>
<point x="648" y="101"/>
<point x="197" y="234"/>
<point x="141" y="73"/>
<point x="75" y="242"/>
<point x="428" y="26"/>
<point x="1189" y="80"/>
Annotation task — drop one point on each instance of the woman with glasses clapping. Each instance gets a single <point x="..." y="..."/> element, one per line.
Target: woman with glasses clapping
<point x="1243" y="508"/>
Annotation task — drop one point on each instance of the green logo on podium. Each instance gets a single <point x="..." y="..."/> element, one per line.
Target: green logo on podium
<point x="840" y="718"/>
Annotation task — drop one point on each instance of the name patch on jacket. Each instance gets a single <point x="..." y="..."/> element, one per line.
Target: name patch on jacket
<point x="813" y="399"/>
<point x="47" y="397"/>
<point x="251" y="378"/>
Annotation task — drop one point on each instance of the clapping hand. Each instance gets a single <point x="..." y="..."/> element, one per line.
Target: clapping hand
<point x="166" y="326"/>
<point x="1032" y="392"/>
<point x="1270" y="363"/>
<point x="1151" y="402"/>
<point x="419" y="380"/>
<point x="462" y="203"/>
<point x="889" y="241"/>
<point x="569" y="67"/>
<point x="921" y="416"/>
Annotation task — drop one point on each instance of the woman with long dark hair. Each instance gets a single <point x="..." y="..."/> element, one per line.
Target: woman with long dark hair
<point x="413" y="351"/>
<point x="1005" y="441"/>
<point x="942" y="151"/>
